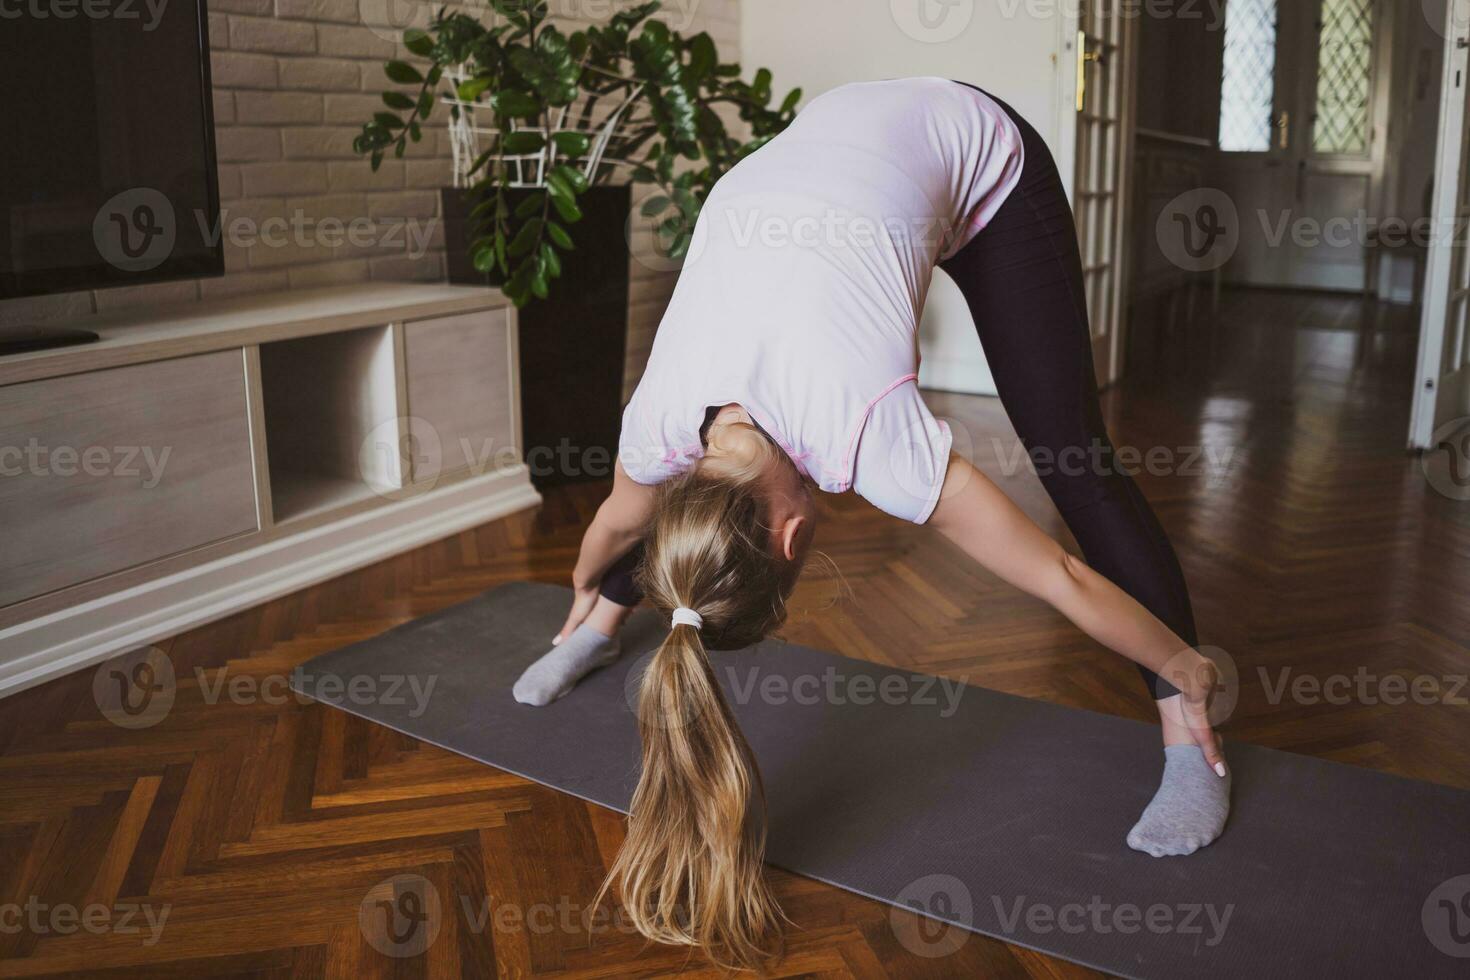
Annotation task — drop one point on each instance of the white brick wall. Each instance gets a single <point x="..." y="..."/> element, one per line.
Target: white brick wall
<point x="293" y="81"/>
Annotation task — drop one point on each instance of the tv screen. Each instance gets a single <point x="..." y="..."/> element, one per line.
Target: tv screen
<point x="107" y="172"/>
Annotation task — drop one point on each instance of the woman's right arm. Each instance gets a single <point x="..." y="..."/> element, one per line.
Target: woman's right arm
<point x="618" y="525"/>
<point x="977" y="515"/>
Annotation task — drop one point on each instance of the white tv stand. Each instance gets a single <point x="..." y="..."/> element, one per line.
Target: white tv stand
<point x="203" y="459"/>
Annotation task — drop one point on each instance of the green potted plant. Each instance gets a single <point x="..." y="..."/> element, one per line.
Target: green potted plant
<point x="548" y="130"/>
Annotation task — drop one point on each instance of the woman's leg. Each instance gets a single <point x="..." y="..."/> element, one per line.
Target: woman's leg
<point x="1022" y="278"/>
<point x="620" y="584"/>
<point x="593" y="644"/>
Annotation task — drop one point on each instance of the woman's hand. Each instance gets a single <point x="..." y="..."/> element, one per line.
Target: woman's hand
<point x="584" y="598"/>
<point x="616" y="528"/>
<point x="1197" y="683"/>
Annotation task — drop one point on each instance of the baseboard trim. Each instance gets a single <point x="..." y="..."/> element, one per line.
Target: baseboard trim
<point x="90" y="632"/>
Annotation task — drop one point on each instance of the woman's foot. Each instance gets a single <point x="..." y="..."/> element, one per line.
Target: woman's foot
<point x="1188" y="811"/>
<point x="568" y="662"/>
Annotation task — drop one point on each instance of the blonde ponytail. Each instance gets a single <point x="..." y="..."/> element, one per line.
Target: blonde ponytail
<point x="690" y="871"/>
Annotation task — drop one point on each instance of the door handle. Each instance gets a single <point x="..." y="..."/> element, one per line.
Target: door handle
<point x="1085" y="57"/>
<point x="1283" y="129"/>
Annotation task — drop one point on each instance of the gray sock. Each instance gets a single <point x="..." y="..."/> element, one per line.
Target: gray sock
<point x="568" y="662"/>
<point x="1188" y="811"/>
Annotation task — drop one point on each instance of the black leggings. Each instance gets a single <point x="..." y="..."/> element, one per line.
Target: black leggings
<point x="1022" y="279"/>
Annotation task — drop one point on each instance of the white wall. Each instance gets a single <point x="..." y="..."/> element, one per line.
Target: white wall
<point x="1007" y="47"/>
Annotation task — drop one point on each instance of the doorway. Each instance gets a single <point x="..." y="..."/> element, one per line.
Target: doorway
<point x="1304" y="98"/>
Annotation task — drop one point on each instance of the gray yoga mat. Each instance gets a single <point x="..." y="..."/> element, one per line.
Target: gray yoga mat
<point x="1001" y="814"/>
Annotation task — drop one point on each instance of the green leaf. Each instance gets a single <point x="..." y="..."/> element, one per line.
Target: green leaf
<point x="559" y="235"/>
<point x="483" y="257"/>
<point x="548" y="67"/>
<point x="519" y="285"/>
<point x="397" y="100"/>
<point x="529" y="206"/>
<point x="572" y="144"/>
<point x="512" y="10"/>
<point x="388" y="120"/>
<point x="559" y="188"/>
<point x="789" y="103"/>
<point x="538" y="283"/>
<point x="471" y="88"/>
<point x="572" y="176"/>
<point x="403" y="73"/>
<point x="654" y="205"/>
<point x="711" y="127"/>
<point x="526" y="238"/>
<point x="552" y="260"/>
<point x="657" y="32"/>
<point x="702" y="58"/>
<point x="516" y="104"/>
<point x="483" y="207"/>
<point x="418" y="42"/>
<point x="524" y="141"/>
<point x="631" y="18"/>
<point x="567" y="208"/>
<point x="372" y="137"/>
<point x="760" y="89"/>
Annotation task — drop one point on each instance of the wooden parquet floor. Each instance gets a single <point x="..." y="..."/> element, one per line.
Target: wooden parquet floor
<point x="264" y="833"/>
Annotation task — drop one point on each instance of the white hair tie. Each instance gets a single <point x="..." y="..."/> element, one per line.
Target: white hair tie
<point x="687" y="617"/>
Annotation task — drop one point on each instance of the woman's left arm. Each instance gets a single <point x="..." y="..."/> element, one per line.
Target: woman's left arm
<point x="976" y="515"/>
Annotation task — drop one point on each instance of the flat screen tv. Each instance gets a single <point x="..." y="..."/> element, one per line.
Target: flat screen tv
<point x="107" y="167"/>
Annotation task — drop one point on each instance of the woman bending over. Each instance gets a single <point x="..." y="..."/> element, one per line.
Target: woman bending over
<point x="788" y="358"/>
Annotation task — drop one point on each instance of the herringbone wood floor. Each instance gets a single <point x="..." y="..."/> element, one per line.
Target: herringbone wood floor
<point x="261" y="825"/>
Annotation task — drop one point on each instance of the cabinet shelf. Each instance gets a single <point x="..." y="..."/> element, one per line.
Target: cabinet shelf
<point x="331" y="409"/>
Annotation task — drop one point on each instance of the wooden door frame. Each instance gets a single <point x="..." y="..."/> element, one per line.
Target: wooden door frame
<point x="1065" y="153"/>
<point x="1430" y="396"/>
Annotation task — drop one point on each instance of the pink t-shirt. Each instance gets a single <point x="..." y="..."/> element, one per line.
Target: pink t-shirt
<point x="801" y="295"/>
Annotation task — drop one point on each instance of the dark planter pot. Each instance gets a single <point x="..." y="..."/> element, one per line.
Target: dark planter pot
<point x="572" y="343"/>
